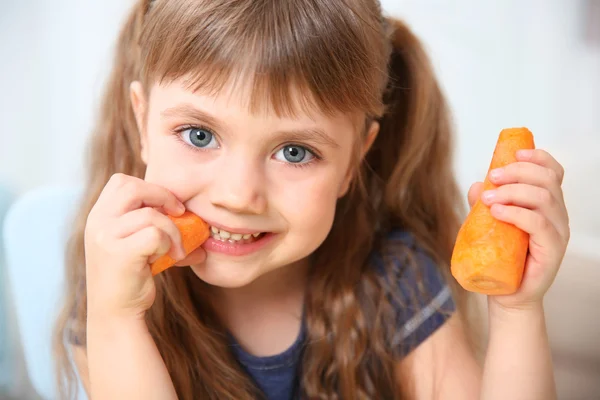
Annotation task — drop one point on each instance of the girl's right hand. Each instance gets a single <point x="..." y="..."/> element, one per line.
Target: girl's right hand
<point x="124" y="233"/>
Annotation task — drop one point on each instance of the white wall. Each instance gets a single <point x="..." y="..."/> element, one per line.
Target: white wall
<point x="55" y="55"/>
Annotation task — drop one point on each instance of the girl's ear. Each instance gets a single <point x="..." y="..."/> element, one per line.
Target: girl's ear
<point x="371" y="136"/>
<point x="369" y="139"/>
<point x="139" y="104"/>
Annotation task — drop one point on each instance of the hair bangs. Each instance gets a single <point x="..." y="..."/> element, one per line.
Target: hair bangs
<point x="289" y="57"/>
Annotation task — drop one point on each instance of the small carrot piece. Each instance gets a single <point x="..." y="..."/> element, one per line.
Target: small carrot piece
<point x="194" y="231"/>
<point x="489" y="255"/>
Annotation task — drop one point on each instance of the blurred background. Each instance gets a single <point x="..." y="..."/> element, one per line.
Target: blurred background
<point x="533" y="63"/>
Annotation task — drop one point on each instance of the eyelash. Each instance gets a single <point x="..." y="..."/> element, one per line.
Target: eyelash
<point x="316" y="156"/>
<point x="177" y="131"/>
<point x="180" y="129"/>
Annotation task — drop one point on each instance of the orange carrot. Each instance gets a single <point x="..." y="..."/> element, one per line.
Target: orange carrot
<point x="489" y="255"/>
<point x="194" y="231"/>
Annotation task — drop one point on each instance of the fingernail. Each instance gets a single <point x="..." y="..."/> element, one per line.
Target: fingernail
<point x="181" y="208"/>
<point x="488" y="195"/>
<point x="525" y="154"/>
<point x="496" y="173"/>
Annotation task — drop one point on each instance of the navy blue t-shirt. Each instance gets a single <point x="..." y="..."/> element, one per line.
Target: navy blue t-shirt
<point x="421" y="310"/>
<point x="423" y="303"/>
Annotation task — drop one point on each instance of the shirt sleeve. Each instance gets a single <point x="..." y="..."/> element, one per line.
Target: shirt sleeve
<point x="419" y="293"/>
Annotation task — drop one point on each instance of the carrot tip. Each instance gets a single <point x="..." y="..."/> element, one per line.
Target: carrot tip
<point x="194" y="231"/>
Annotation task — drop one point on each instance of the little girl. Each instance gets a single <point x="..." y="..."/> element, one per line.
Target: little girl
<point x="314" y="139"/>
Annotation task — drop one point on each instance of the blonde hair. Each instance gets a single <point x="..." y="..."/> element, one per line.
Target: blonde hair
<point x="344" y="56"/>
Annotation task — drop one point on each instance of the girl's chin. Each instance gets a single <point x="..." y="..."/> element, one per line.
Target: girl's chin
<point x="224" y="275"/>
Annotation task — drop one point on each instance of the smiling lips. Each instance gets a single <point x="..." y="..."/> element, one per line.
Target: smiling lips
<point x="235" y="238"/>
<point x="237" y="243"/>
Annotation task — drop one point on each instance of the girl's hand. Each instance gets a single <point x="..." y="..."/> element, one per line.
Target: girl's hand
<point x="529" y="196"/>
<point x="124" y="233"/>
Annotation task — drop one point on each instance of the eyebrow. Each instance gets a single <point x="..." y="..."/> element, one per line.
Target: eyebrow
<point x="314" y="135"/>
<point x="189" y="111"/>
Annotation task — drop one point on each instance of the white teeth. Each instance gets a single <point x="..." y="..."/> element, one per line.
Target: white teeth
<point x="223" y="235"/>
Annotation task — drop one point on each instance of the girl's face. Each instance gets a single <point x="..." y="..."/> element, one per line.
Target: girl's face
<point x="246" y="175"/>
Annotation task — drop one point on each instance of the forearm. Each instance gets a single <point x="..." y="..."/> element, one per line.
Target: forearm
<point x="518" y="363"/>
<point x="124" y="362"/>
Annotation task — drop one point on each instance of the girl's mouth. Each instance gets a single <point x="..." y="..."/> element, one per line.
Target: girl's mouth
<point x="236" y="243"/>
<point x="235" y="238"/>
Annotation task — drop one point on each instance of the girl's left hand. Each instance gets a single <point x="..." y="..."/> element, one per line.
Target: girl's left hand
<point x="529" y="196"/>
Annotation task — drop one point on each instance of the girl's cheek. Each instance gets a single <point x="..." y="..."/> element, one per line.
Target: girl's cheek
<point x="184" y="181"/>
<point x="310" y="206"/>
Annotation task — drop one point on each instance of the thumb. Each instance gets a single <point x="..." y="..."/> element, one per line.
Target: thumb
<point x="475" y="193"/>
<point x="197" y="256"/>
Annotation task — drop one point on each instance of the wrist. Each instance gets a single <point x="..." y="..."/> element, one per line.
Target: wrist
<point x="527" y="311"/>
<point x="100" y="309"/>
<point x="110" y="325"/>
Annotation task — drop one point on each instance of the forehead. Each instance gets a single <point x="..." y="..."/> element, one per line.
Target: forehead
<point x="234" y="103"/>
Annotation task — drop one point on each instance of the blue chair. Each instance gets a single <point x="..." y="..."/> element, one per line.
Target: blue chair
<point x="36" y="231"/>
<point x="6" y="357"/>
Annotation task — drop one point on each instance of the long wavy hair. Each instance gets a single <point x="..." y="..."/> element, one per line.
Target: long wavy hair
<point x="346" y="56"/>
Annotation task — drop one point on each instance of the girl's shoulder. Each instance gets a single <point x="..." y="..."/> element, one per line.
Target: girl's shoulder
<point x="416" y="288"/>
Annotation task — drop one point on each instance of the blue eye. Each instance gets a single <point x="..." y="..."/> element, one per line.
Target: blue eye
<point x="199" y="137"/>
<point x="294" y="154"/>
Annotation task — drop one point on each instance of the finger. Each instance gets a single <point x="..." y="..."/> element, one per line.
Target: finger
<point x="195" y="257"/>
<point x="540" y="229"/>
<point x="141" y="218"/>
<point x="543" y="158"/>
<point x="474" y="193"/>
<point x="530" y="197"/>
<point x="529" y="173"/>
<point x="126" y="193"/>
<point x="150" y="244"/>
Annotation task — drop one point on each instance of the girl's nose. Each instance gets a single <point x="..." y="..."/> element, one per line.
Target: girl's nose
<point x="239" y="189"/>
